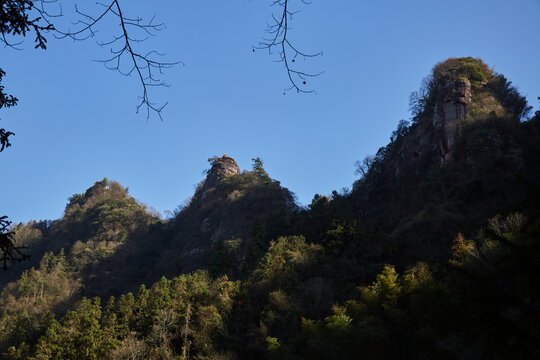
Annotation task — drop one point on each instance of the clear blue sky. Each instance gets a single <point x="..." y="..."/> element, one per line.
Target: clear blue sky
<point x="76" y="121"/>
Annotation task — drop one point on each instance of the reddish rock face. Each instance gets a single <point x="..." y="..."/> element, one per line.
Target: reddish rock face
<point x="452" y="101"/>
<point x="435" y="134"/>
<point x="221" y="168"/>
<point x="456" y="91"/>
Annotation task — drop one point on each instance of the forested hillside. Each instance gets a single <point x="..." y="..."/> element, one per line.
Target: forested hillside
<point x="433" y="254"/>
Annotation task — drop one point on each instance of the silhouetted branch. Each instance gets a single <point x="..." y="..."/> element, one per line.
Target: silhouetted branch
<point x="122" y="46"/>
<point x="7" y="101"/>
<point x="9" y="253"/>
<point x="4" y="139"/>
<point x="15" y="21"/>
<point x="277" y="33"/>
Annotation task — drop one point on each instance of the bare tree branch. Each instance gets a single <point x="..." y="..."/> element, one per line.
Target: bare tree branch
<point x="146" y="65"/>
<point x="277" y="38"/>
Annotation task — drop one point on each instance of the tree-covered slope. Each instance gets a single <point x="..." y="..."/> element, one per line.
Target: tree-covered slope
<point x="434" y="253"/>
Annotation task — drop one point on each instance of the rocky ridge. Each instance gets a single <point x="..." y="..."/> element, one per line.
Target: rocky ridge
<point x="222" y="167"/>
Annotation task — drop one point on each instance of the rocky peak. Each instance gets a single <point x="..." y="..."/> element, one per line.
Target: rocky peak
<point x="221" y="168"/>
<point x="435" y="132"/>
<point x="460" y="92"/>
<point x="453" y="98"/>
<point x="444" y="100"/>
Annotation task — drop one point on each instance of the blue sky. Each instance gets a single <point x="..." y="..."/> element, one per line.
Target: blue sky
<point x="76" y="121"/>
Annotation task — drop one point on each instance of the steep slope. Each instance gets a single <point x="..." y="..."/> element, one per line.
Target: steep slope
<point x="113" y="244"/>
<point x="226" y="226"/>
<point x="455" y="166"/>
<point x="65" y="252"/>
<point x="229" y="213"/>
<point x="434" y="254"/>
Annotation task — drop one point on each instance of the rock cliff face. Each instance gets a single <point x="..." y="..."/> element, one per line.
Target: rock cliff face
<point x="216" y="228"/>
<point x="432" y="138"/>
<point x="447" y="170"/>
<point x="221" y="168"/>
<point x="450" y="109"/>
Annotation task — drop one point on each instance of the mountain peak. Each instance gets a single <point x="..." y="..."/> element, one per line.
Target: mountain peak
<point x="221" y="167"/>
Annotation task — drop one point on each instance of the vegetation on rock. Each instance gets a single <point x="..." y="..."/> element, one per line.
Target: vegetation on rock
<point x="421" y="259"/>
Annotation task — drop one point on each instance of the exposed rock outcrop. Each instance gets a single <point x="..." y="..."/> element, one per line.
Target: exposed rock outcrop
<point x="449" y="168"/>
<point x="221" y="168"/>
<point x="434" y="135"/>
<point x="216" y="228"/>
<point x="450" y="110"/>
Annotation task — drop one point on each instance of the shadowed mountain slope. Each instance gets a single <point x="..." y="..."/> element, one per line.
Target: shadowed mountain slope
<point x="433" y="254"/>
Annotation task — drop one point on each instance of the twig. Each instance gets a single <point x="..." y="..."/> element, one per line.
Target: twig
<point x="278" y="39"/>
<point x="145" y="65"/>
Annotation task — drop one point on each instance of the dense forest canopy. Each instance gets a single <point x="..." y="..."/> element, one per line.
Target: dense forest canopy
<point x="367" y="62"/>
<point x="432" y="254"/>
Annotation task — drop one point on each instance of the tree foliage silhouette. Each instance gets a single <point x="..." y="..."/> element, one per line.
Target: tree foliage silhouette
<point x="15" y="22"/>
<point x="9" y="253"/>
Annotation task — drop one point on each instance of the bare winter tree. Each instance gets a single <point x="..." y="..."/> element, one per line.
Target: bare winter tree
<point x="125" y="56"/>
<point x="364" y="167"/>
<point x="277" y="39"/>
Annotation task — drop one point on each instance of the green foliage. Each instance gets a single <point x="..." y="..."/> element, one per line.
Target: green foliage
<point x="472" y="69"/>
<point x="509" y="96"/>
<point x="385" y="291"/>
<point x="485" y="83"/>
<point x="284" y="259"/>
<point x="186" y="313"/>
<point x="258" y="169"/>
<point x="276" y="351"/>
<point x="78" y="336"/>
<point x="372" y="273"/>
<point x="226" y="257"/>
<point x="51" y="263"/>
